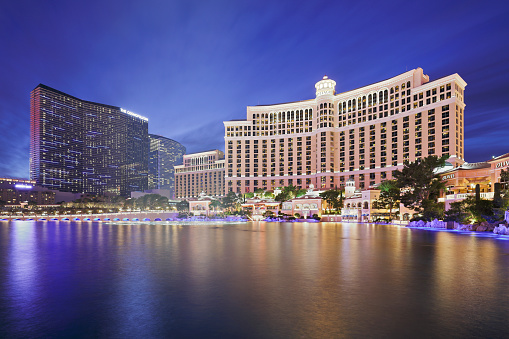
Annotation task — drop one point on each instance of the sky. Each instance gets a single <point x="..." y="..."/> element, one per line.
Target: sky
<point x="190" y="65"/>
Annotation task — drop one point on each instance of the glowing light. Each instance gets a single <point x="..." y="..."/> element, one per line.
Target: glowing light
<point x="24" y="186"/>
<point x="133" y="114"/>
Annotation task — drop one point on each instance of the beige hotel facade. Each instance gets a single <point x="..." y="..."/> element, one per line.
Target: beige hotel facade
<point x="363" y="134"/>
<point x="201" y="172"/>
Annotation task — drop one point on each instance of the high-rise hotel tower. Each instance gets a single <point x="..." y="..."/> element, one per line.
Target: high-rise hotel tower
<point x="165" y="153"/>
<point x="86" y="147"/>
<point x="363" y="134"/>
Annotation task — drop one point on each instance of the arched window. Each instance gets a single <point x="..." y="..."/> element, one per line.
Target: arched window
<point x="321" y="106"/>
<point x="380" y="97"/>
<point x="374" y="99"/>
<point x="403" y="86"/>
<point x="408" y="84"/>
<point x="366" y="205"/>
<point x="364" y="102"/>
<point x="397" y="88"/>
<point x="386" y="96"/>
<point x="354" y="104"/>
<point x="349" y="105"/>
<point x="369" y="100"/>
<point x="392" y="90"/>
<point x="359" y="204"/>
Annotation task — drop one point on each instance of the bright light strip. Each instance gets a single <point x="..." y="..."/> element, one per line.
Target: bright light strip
<point x="23" y="186"/>
<point x="133" y="114"/>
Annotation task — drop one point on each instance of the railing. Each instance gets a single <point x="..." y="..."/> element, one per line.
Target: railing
<point x="461" y="196"/>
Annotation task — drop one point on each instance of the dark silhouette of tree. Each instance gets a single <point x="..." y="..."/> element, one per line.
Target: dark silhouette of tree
<point x="420" y="185"/>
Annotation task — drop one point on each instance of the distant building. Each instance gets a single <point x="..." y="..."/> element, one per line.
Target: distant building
<point x="86" y="147"/>
<point x="362" y="135"/>
<point x="16" y="191"/>
<point x="164" y="154"/>
<point x="201" y="172"/>
<point x="160" y="191"/>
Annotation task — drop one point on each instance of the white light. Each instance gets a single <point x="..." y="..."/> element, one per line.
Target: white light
<point x="133" y="114"/>
<point x="23" y="186"/>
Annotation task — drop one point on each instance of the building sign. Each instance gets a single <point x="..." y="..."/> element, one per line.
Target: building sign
<point x="502" y="164"/>
<point x="448" y="176"/>
<point x="23" y="186"/>
<point x="133" y="114"/>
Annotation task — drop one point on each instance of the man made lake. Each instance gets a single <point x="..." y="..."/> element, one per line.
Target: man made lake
<point x="251" y="280"/>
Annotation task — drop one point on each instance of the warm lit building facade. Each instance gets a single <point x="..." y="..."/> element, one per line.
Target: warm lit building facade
<point x="362" y="135"/>
<point x="86" y="147"/>
<point x="164" y="154"/>
<point x="461" y="181"/>
<point x="200" y="172"/>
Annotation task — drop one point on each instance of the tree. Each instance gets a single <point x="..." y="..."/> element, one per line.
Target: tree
<point x="419" y="183"/>
<point x="291" y="191"/>
<point x="334" y="198"/>
<point x="215" y="204"/>
<point x="283" y="196"/>
<point x="456" y="212"/>
<point x="470" y="210"/>
<point x="183" y="206"/>
<point x="269" y="194"/>
<point x="389" y="197"/>
<point x="504" y="176"/>
<point x="231" y="201"/>
<point x="301" y="192"/>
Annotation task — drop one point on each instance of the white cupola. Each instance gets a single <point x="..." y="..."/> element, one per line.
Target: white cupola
<point x="325" y="86"/>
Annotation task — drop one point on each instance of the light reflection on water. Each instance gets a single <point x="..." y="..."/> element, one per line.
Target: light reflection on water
<point x="249" y="280"/>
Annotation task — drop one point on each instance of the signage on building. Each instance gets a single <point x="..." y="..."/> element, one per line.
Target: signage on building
<point x="23" y="186"/>
<point x="502" y="164"/>
<point x="448" y="176"/>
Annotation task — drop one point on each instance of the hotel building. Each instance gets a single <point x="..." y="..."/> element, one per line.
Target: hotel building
<point x="462" y="180"/>
<point x="361" y="135"/>
<point x="164" y="154"/>
<point x="201" y="172"/>
<point x="18" y="191"/>
<point x="86" y="147"/>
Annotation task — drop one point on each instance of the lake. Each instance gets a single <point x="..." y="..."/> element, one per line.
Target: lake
<point x="249" y="280"/>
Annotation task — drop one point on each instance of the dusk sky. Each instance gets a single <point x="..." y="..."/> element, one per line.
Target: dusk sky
<point x="190" y="65"/>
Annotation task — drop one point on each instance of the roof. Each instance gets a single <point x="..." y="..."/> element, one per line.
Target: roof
<point x="468" y="166"/>
<point x="499" y="157"/>
<point x="284" y="103"/>
<point x="60" y="92"/>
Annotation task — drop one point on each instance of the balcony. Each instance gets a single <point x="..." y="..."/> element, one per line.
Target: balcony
<point x="461" y="196"/>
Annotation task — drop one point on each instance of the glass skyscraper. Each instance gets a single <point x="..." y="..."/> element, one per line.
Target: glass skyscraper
<point x="164" y="154"/>
<point x="86" y="147"/>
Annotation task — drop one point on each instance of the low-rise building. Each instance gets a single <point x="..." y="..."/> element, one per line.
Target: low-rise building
<point x="462" y="180"/>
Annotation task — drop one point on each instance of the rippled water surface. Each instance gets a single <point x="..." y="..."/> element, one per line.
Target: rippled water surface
<point x="254" y="280"/>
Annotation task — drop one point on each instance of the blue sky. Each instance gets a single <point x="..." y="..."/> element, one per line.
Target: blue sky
<point x="190" y="65"/>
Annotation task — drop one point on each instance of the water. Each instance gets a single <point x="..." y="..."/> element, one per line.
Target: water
<point x="254" y="280"/>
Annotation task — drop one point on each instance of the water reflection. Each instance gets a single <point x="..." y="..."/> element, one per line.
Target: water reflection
<point x="248" y="280"/>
